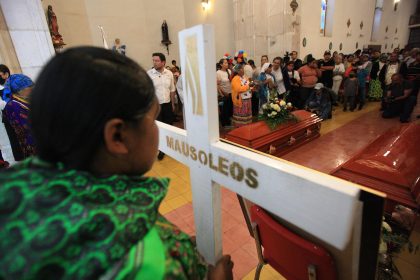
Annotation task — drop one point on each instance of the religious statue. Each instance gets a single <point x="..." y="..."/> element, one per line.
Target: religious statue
<point x="56" y="37"/>
<point x="165" y="36"/>
<point x="118" y="47"/>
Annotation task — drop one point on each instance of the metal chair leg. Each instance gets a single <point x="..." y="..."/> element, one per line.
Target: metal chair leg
<point x="258" y="271"/>
<point x="261" y="261"/>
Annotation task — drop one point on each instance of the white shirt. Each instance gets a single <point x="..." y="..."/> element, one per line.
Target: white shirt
<point x="391" y="70"/>
<point x="295" y="75"/>
<point x="247" y="94"/>
<point x="338" y="68"/>
<point x="223" y="81"/>
<point x="248" y="71"/>
<point x="164" y="84"/>
<point x="278" y="75"/>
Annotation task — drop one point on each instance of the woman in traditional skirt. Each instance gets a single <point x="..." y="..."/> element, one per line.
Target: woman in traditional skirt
<point x="375" y="88"/>
<point x="241" y="97"/>
<point x="17" y="90"/>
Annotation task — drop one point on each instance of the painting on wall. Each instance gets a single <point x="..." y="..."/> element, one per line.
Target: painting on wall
<point x="341" y="46"/>
<point x="330" y="46"/>
<point x="304" y="42"/>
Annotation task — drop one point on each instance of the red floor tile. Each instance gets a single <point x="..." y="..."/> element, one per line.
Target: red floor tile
<point x="243" y="262"/>
<point x="185" y="210"/>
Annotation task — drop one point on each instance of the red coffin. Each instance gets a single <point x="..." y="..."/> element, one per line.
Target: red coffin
<point x="283" y="139"/>
<point x="390" y="164"/>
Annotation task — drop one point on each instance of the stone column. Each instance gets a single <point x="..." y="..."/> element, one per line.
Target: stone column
<point x="29" y="33"/>
<point x="7" y="51"/>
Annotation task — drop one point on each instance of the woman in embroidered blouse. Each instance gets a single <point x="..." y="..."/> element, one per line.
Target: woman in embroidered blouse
<point x="82" y="209"/>
<point x="17" y="91"/>
<point x="241" y="97"/>
<point x="266" y="82"/>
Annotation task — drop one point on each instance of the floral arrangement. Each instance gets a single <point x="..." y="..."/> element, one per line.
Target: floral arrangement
<point x="277" y="111"/>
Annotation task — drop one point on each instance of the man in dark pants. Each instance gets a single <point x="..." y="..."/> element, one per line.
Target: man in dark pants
<point x="399" y="100"/>
<point x="164" y="83"/>
<point x="326" y="66"/>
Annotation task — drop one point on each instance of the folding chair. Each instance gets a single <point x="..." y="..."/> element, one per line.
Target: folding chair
<point x="292" y="256"/>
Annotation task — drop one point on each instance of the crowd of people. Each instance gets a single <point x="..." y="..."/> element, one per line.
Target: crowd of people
<point x="80" y="144"/>
<point x="319" y="85"/>
<point x="243" y="88"/>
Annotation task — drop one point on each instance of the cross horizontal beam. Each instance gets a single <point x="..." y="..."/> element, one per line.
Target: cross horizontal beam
<point x="315" y="202"/>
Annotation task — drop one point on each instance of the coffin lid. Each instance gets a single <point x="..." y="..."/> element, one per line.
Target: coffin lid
<point x="394" y="157"/>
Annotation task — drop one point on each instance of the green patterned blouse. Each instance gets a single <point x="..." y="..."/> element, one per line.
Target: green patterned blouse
<point x="57" y="223"/>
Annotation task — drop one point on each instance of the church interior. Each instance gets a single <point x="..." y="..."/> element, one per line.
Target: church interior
<point x="358" y="34"/>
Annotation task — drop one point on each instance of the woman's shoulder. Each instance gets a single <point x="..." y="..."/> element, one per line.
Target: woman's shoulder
<point x="71" y="214"/>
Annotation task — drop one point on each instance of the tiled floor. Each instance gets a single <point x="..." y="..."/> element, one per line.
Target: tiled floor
<point x="344" y="134"/>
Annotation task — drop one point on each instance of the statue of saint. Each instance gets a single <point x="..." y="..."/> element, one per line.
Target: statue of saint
<point x="118" y="47"/>
<point x="165" y="32"/>
<point x="53" y="26"/>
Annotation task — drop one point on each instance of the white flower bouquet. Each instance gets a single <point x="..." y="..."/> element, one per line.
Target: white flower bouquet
<point x="277" y="111"/>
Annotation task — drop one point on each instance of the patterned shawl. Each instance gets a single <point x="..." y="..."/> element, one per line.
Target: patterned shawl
<point x="67" y="224"/>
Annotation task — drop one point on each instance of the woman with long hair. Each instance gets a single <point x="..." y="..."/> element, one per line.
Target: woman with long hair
<point x="83" y="209"/>
<point x="224" y="90"/>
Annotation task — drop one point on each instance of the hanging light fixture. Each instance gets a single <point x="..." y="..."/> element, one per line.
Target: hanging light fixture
<point x="294" y="5"/>
<point x="205" y="4"/>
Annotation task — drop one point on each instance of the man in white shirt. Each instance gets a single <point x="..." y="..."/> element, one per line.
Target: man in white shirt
<point x="278" y="76"/>
<point x="164" y="83"/>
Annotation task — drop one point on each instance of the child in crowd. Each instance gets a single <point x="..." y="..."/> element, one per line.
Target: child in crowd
<point x="351" y="86"/>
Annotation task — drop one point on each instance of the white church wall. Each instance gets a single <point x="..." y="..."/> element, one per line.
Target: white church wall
<point x="7" y="51"/>
<point x="269" y="27"/>
<point x="357" y="11"/>
<point x="29" y="33"/>
<point x="395" y="20"/>
<point x="138" y="25"/>
<point x="72" y="20"/>
<point x="283" y="28"/>
<point x="220" y="14"/>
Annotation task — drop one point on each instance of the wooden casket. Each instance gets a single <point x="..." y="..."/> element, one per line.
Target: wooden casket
<point x="390" y="164"/>
<point x="283" y="139"/>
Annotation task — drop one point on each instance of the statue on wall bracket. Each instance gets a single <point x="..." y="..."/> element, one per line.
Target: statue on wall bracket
<point x="56" y="37"/>
<point x="165" y="36"/>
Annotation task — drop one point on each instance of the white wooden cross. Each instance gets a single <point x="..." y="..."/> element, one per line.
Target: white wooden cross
<point x="317" y="203"/>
